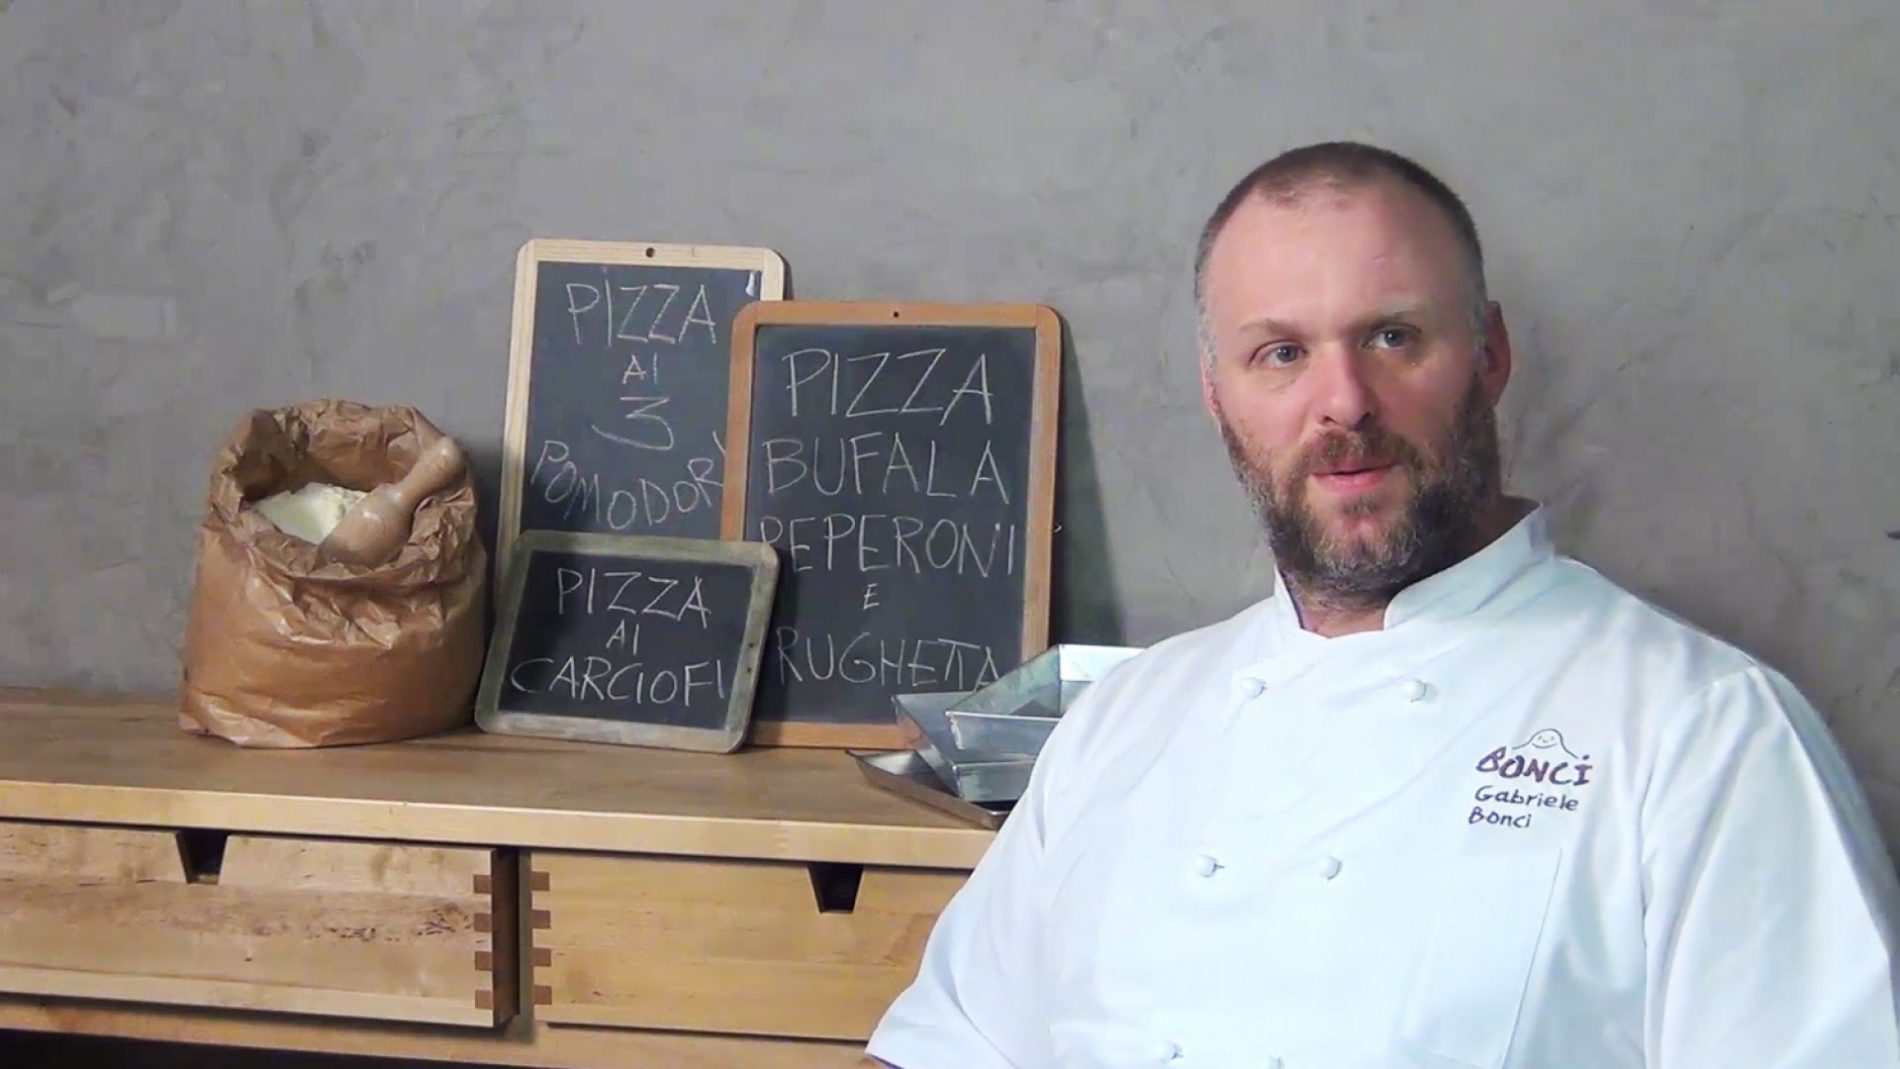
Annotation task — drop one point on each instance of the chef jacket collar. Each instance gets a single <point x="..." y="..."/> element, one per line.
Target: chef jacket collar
<point x="1461" y="592"/>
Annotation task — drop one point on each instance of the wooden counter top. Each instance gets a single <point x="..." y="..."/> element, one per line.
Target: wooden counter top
<point x="120" y="760"/>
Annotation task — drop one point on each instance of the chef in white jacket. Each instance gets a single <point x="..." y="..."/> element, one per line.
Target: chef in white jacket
<point x="1447" y="799"/>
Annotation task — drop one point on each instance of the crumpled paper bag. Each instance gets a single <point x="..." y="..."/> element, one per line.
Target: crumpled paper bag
<point x="283" y="650"/>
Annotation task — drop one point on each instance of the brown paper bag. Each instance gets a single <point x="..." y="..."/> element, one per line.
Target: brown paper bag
<point x="282" y="650"/>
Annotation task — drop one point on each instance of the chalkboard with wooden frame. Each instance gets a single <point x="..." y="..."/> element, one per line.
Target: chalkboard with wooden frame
<point x="901" y="460"/>
<point x="617" y="385"/>
<point x="636" y="640"/>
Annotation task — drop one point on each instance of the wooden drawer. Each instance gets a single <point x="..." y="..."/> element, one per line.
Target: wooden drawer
<point x="343" y="928"/>
<point x="715" y="945"/>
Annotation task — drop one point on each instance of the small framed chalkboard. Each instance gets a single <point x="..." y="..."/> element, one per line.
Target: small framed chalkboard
<point x="637" y="640"/>
<point x="901" y="460"/>
<point x="617" y="385"/>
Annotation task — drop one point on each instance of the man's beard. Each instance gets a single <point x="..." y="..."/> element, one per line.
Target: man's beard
<point x="1435" y="531"/>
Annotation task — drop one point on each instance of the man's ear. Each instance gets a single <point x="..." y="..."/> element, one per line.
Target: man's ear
<point x="1495" y="359"/>
<point x="1208" y="400"/>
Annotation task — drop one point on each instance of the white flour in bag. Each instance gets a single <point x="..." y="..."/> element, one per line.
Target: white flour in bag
<point x="310" y="511"/>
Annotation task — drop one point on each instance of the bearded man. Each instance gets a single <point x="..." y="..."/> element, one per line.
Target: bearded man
<point x="1447" y="798"/>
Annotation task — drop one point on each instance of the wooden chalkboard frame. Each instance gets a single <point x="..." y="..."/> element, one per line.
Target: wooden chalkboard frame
<point x="769" y="265"/>
<point x="757" y="556"/>
<point x="1039" y="510"/>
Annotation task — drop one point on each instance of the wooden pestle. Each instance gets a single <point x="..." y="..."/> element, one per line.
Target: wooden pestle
<point x="376" y="527"/>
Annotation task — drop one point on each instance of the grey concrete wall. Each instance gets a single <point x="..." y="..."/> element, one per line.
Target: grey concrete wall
<point x="1693" y="215"/>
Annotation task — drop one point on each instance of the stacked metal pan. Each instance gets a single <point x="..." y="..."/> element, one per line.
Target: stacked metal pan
<point x="977" y="749"/>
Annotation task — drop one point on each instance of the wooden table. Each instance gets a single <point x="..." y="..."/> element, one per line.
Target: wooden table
<point x="467" y="897"/>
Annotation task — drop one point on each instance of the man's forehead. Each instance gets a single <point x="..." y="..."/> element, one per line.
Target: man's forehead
<point x="1384" y="211"/>
<point x="1381" y="237"/>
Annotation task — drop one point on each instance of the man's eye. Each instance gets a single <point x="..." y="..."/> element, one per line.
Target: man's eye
<point x="1392" y="338"/>
<point x="1277" y="355"/>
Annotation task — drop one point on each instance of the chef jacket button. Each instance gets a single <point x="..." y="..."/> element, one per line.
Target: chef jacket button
<point x="1416" y="689"/>
<point x="1206" y="864"/>
<point x="1252" y="688"/>
<point x="1328" y="867"/>
<point x="1167" y="1051"/>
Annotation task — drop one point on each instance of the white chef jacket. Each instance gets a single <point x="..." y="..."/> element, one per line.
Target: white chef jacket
<point x="1533" y="823"/>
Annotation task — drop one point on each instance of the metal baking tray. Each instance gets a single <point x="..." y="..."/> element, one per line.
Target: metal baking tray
<point x="1013" y="716"/>
<point x="905" y="772"/>
<point x="974" y="777"/>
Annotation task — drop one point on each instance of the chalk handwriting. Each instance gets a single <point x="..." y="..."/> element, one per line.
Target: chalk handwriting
<point x="862" y="659"/>
<point x="871" y="542"/>
<point x="649" y="313"/>
<point x="638" y="372"/>
<point x="622" y="504"/>
<point x="621" y="639"/>
<point x="642" y="413"/>
<point x="631" y="591"/>
<point x="904" y="383"/>
<point x="596" y="678"/>
<point x="877" y="459"/>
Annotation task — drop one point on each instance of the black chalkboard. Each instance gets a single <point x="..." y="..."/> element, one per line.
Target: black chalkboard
<point x="900" y="459"/>
<point x="618" y="388"/>
<point x="638" y="640"/>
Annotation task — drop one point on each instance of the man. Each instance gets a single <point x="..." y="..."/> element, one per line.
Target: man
<point x="1447" y="798"/>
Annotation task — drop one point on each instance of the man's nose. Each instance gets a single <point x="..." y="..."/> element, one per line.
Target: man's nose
<point x="1343" y="392"/>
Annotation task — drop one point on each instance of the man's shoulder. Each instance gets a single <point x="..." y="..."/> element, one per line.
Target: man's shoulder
<point x="1675" y="673"/>
<point x="1710" y="713"/>
<point x="1627" y="625"/>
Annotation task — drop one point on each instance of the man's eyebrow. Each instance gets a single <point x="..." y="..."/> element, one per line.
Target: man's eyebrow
<point x="1397" y="308"/>
<point x="1266" y="325"/>
<point x="1402" y="308"/>
<point x="1410" y="312"/>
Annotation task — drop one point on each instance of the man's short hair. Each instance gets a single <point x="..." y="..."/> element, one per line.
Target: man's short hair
<point x="1339" y="166"/>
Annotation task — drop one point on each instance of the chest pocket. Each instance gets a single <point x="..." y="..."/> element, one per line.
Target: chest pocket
<point x="1487" y="918"/>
